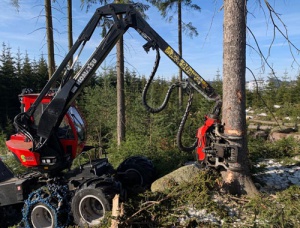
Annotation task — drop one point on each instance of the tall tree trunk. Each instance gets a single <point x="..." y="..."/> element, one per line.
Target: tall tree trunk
<point x="70" y="28"/>
<point x="120" y="91"/>
<point x="180" y="51"/>
<point x="237" y="179"/>
<point x="50" y="40"/>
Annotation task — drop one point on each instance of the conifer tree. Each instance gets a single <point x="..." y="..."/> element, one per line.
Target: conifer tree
<point x="9" y="86"/>
<point x="40" y="71"/>
<point x="26" y="76"/>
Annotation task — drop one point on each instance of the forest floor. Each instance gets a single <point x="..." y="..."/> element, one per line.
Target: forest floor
<point x="277" y="205"/>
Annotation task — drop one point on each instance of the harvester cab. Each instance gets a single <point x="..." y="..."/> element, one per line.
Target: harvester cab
<point x="71" y="135"/>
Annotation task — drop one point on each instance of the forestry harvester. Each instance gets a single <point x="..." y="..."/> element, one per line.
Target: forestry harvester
<point x="51" y="133"/>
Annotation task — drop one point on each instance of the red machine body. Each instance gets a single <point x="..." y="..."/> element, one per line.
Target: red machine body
<point x="202" y="137"/>
<point x="71" y="134"/>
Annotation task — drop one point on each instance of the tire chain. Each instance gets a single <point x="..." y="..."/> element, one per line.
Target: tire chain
<point x="46" y="195"/>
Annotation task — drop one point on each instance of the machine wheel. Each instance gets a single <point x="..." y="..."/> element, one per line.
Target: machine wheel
<point x="91" y="203"/>
<point x="43" y="216"/>
<point x="45" y="208"/>
<point x="136" y="173"/>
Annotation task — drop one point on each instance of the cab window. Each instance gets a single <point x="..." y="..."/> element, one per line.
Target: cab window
<point x="65" y="130"/>
<point x="78" y="123"/>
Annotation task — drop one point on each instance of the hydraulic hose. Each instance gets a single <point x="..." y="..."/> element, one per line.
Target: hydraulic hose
<point x="181" y="127"/>
<point x="19" y="125"/>
<point x="163" y="105"/>
<point x="145" y="90"/>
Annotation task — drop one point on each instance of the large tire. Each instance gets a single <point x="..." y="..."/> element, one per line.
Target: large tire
<point x="2" y="215"/>
<point x="136" y="174"/>
<point x="46" y="208"/>
<point x="43" y="215"/>
<point x="91" y="203"/>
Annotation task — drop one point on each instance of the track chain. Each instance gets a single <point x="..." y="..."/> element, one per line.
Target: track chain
<point x="56" y="197"/>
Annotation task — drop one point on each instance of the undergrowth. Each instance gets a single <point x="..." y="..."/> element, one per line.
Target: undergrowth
<point x="15" y="165"/>
<point x="200" y="204"/>
<point x="279" y="210"/>
<point x="182" y="205"/>
<point x="171" y="208"/>
<point x="166" y="158"/>
<point x="281" y="149"/>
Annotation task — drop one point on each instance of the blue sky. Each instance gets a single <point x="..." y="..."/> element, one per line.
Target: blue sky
<point x="24" y="30"/>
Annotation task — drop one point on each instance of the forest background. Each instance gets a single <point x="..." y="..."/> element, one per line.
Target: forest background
<point x="152" y="135"/>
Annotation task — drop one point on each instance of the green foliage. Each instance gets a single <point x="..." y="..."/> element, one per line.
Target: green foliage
<point x="151" y="135"/>
<point x="9" y="87"/>
<point x="165" y="156"/>
<point x="288" y="110"/>
<point x="3" y="149"/>
<point x="165" y="209"/>
<point x="284" y="93"/>
<point x="166" y="8"/>
<point x="7" y="130"/>
<point x="15" y="165"/>
<point x="99" y="107"/>
<point x="280" y="210"/>
<point x="261" y="149"/>
<point x="17" y="73"/>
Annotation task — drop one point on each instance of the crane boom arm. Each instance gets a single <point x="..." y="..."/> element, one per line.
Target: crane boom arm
<point x="124" y="16"/>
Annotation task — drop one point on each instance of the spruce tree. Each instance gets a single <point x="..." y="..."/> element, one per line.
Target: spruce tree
<point x="26" y="76"/>
<point x="9" y="86"/>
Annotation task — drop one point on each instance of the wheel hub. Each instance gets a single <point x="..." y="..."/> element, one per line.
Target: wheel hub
<point x="91" y="210"/>
<point x="41" y="217"/>
<point x="134" y="177"/>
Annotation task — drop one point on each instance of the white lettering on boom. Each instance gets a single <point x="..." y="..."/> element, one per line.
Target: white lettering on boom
<point x="86" y="71"/>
